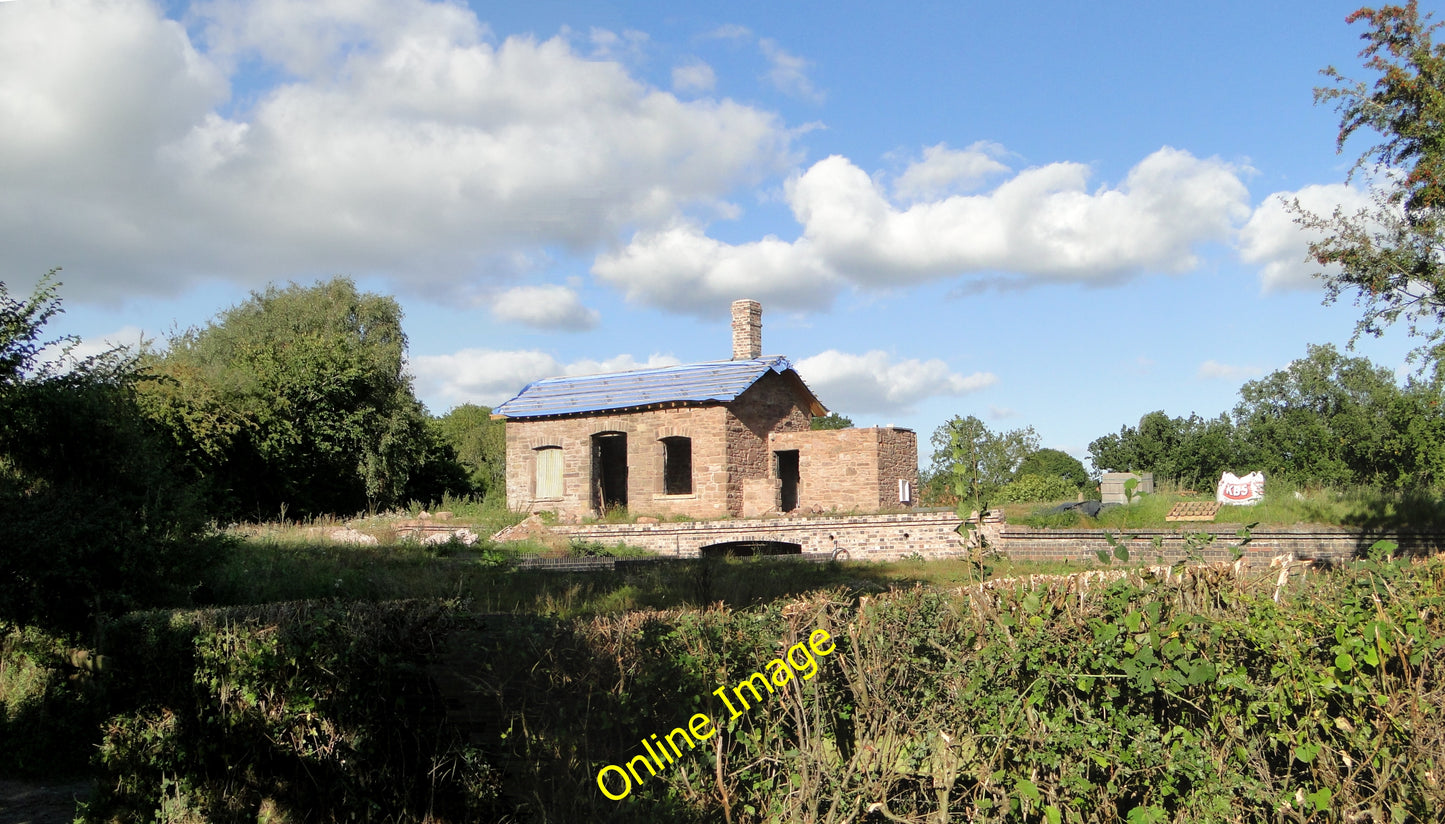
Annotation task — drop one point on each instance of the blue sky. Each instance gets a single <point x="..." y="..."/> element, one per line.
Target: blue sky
<point x="1061" y="215"/>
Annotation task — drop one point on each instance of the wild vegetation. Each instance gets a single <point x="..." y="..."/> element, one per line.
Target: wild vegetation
<point x="1326" y="420"/>
<point x="96" y="513"/>
<point x="1369" y="509"/>
<point x="1198" y="698"/>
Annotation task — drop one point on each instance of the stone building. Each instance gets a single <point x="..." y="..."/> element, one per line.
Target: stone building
<point x="704" y="440"/>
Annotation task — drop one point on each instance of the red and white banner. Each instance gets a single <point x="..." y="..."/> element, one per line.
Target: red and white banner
<point x="1246" y="491"/>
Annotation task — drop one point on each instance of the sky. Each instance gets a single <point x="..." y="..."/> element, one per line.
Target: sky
<point x="1061" y="215"/>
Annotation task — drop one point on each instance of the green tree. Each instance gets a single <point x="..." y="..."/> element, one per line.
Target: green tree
<point x="1054" y="463"/>
<point x="1390" y="255"/>
<point x="438" y="472"/>
<point x="296" y="400"/>
<point x="832" y="420"/>
<point x="1192" y="451"/>
<point x="95" y="516"/>
<point x="480" y="444"/>
<point x="970" y="460"/>
<point x="1327" y="418"/>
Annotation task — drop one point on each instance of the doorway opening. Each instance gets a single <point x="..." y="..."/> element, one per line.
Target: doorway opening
<point x="788" y="473"/>
<point x="609" y="471"/>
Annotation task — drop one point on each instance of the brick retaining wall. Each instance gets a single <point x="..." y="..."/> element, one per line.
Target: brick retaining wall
<point x="1322" y="543"/>
<point x="934" y="535"/>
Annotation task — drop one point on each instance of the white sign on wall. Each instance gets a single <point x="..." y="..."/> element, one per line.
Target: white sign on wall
<point x="1246" y="491"/>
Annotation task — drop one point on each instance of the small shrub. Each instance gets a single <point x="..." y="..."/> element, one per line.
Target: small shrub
<point x="51" y="704"/>
<point x="1036" y="488"/>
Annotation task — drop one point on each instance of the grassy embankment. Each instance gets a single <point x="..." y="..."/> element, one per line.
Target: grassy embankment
<point x="271" y="563"/>
<point x="1284" y="505"/>
<point x="261" y="570"/>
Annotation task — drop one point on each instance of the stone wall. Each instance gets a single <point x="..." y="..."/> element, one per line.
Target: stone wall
<point x="897" y="460"/>
<point x="767" y="407"/>
<point x="863" y="537"/>
<point x="706" y="426"/>
<point x="852" y="469"/>
<point x="935" y="535"/>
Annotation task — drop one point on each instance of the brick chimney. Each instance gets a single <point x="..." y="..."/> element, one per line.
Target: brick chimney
<point x="747" y="329"/>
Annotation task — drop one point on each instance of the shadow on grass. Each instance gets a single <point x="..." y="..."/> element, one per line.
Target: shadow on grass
<point x="260" y="572"/>
<point x="1415" y="520"/>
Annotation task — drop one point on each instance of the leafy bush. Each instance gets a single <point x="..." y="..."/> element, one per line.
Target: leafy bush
<point x="51" y="704"/>
<point x="1055" y="463"/>
<point x="95" y="516"/>
<point x="1027" y="488"/>
<point x="298" y="711"/>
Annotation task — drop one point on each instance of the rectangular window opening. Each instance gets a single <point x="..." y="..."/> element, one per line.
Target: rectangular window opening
<point x="677" y="466"/>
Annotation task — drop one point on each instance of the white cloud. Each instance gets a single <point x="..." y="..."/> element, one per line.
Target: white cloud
<point x="628" y="47"/>
<point x="1041" y="224"/>
<point x="876" y="383"/>
<point x="1214" y="370"/>
<point x="620" y="363"/>
<point x="490" y="376"/>
<point x="729" y="31"/>
<point x="311" y="40"/>
<point x="1272" y="240"/>
<point x="788" y="72"/>
<point x="403" y="141"/>
<point x="545" y="307"/>
<point x="693" y="78"/>
<point x="682" y="269"/>
<point x="944" y="171"/>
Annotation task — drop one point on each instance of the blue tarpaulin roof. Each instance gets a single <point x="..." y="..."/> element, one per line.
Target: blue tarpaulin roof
<point x="719" y="381"/>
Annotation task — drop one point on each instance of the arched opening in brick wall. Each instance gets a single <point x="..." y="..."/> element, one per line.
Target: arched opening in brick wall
<point x="742" y="549"/>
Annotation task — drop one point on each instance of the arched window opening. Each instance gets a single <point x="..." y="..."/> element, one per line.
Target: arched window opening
<point x="549" y="472"/>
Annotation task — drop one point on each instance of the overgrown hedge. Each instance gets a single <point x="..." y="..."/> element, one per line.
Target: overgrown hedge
<point x="1194" y="699"/>
<point x="1188" y="700"/>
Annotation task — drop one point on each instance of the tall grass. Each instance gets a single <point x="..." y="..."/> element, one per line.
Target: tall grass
<point x="259" y="571"/>
<point x="488" y="512"/>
